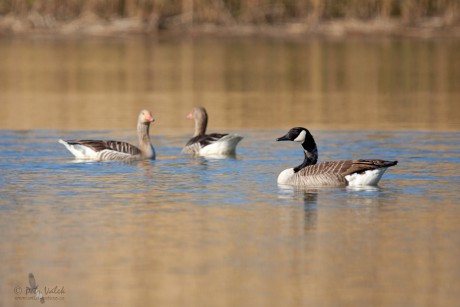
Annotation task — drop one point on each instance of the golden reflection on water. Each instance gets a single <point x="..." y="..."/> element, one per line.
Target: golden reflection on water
<point x="264" y="256"/>
<point x="165" y="233"/>
<point x="356" y="84"/>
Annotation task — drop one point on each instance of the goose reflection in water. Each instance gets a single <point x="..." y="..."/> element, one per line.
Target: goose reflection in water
<point x="308" y="196"/>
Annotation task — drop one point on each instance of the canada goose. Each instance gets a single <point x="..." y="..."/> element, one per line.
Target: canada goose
<point x="202" y="144"/>
<point x="99" y="150"/>
<point x="332" y="173"/>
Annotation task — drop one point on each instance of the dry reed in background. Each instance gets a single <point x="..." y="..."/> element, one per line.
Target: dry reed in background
<point x="164" y="14"/>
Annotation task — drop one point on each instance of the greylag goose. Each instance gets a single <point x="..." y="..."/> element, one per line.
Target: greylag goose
<point x="99" y="150"/>
<point x="363" y="172"/>
<point x="214" y="144"/>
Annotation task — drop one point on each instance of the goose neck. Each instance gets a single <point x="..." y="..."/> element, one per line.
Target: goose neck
<point x="310" y="158"/>
<point x="200" y="125"/>
<point x="144" y="139"/>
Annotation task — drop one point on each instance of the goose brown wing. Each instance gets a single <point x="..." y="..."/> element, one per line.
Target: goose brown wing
<point x="329" y="167"/>
<point x="362" y="165"/>
<point x="98" y="145"/>
<point x="345" y="167"/>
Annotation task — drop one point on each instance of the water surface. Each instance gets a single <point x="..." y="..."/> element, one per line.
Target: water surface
<point x="220" y="232"/>
<point x="245" y="84"/>
<point x="187" y="231"/>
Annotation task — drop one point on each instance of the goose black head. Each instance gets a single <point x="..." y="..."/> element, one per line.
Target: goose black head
<point x="304" y="137"/>
<point x="300" y="135"/>
<point x="297" y="134"/>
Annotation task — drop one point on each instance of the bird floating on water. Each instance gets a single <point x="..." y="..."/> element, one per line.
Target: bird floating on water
<point x="101" y="150"/>
<point x="361" y="172"/>
<point x="214" y="144"/>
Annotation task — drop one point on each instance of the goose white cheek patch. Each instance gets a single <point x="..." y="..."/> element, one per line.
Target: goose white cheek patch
<point x="301" y="137"/>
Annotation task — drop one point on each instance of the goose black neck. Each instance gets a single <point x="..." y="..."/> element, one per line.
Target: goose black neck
<point x="310" y="151"/>
<point x="309" y="143"/>
<point x="311" y="157"/>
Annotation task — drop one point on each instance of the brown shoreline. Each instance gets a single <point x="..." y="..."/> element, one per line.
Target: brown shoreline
<point x="90" y="25"/>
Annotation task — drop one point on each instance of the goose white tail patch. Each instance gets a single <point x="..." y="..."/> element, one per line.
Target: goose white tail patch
<point x="301" y="137"/>
<point x="79" y="151"/>
<point x="224" y="146"/>
<point x="371" y="177"/>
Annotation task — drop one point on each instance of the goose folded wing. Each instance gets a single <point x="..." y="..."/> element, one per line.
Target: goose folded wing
<point x="345" y="167"/>
<point x="362" y="165"/>
<point x="98" y="145"/>
<point x="206" y="139"/>
<point x="329" y="167"/>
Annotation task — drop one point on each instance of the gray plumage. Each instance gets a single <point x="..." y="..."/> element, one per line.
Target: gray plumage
<point x="107" y="150"/>
<point x="209" y="144"/>
<point x="100" y="145"/>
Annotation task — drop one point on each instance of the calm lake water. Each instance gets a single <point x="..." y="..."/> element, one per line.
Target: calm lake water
<point x="182" y="231"/>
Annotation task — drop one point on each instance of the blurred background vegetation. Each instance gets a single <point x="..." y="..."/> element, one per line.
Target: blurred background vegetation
<point x="154" y="15"/>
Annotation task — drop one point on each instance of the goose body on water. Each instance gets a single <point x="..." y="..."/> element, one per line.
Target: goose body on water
<point x="363" y="172"/>
<point x="214" y="144"/>
<point x="101" y="150"/>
